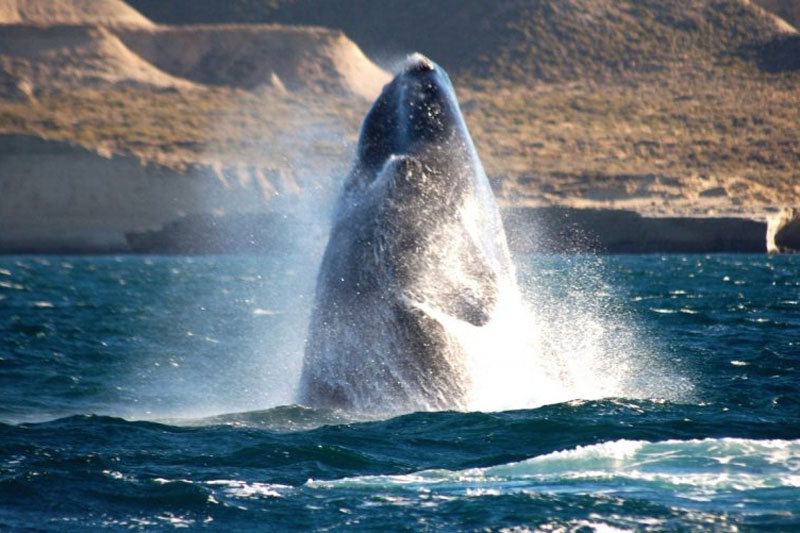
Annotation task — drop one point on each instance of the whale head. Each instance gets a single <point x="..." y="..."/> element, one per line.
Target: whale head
<point x="417" y="116"/>
<point x="419" y="186"/>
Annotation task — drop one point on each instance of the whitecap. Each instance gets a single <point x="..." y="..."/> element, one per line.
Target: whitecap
<point x="696" y="470"/>
<point x="243" y="489"/>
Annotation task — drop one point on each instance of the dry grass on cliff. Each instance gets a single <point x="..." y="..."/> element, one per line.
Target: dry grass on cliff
<point x="41" y="12"/>
<point x="703" y="147"/>
<point x="177" y="128"/>
<point x="654" y="147"/>
<point x="519" y="41"/>
<point x="657" y="106"/>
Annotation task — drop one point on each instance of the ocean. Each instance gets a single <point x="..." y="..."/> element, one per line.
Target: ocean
<point x="646" y="393"/>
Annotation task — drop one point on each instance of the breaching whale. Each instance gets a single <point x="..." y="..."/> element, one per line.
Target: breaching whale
<point x="417" y="243"/>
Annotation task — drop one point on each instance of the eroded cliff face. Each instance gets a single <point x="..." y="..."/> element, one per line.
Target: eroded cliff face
<point x="571" y="230"/>
<point x="59" y="197"/>
<point x="783" y="231"/>
<point x="56" y="196"/>
<point x="250" y="56"/>
<point x="115" y="13"/>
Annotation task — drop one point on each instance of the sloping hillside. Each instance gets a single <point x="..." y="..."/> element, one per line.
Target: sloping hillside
<point x="789" y="10"/>
<point x="40" y="12"/>
<point x="519" y="40"/>
<point x="44" y="59"/>
<point x="686" y="107"/>
<point x="77" y="81"/>
<point x="57" y="45"/>
<point x="248" y="56"/>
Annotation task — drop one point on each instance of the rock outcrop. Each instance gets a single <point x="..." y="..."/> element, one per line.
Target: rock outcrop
<point x="45" y="12"/>
<point x="65" y="45"/>
<point x="530" y="230"/>
<point x="72" y="57"/>
<point x="249" y="56"/>
<point x="783" y="231"/>
<point x="208" y="233"/>
<point x="562" y="229"/>
<point x="59" y="197"/>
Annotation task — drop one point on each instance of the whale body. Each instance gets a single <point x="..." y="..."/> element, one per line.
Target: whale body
<point x="417" y="244"/>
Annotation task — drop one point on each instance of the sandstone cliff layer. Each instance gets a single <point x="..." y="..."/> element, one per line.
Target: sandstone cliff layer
<point x="58" y="197"/>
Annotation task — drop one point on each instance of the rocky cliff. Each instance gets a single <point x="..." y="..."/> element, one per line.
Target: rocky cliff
<point x="56" y="196"/>
<point x="560" y="229"/>
<point x="637" y="114"/>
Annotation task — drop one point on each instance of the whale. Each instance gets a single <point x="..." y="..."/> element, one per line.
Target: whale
<point x="416" y="253"/>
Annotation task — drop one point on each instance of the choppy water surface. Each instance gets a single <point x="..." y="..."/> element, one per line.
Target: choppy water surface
<point x="155" y="393"/>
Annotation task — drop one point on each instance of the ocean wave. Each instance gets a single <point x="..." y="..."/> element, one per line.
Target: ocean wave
<point x="281" y="418"/>
<point x="722" y="470"/>
<point x="579" y="464"/>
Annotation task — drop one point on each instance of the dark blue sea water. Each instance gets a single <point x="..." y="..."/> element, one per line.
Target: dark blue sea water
<point x="156" y="393"/>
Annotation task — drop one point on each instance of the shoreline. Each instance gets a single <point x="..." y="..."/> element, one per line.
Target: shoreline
<point x="547" y="230"/>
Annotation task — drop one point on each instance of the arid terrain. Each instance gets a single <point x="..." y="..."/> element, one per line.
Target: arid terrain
<point x="664" y="107"/>
<point x="686" y="108"/>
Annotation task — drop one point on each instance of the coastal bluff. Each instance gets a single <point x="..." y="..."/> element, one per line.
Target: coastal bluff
<point x="547" y="230"/>
<point x="59" y="197"/>
<point x="565" y="229"/>
<point x="654" y="125"/>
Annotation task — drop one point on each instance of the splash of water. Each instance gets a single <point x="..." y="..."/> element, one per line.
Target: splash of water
<point x="562" y="337"/>
<point x="549" y="340"/>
